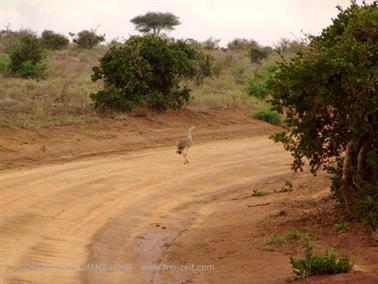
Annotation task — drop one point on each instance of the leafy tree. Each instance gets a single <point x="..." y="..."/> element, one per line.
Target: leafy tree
<point x="257" y="87"/>
<point x="26" y="58"/>
<point x="87" y="39"/>
<point x="155" y="22"/>
<point x="53" y="41"/>
<point x="145" y="71"/>
<point x="329" y="95"/>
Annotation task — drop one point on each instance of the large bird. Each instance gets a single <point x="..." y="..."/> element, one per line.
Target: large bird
<point x="184" y="144"/>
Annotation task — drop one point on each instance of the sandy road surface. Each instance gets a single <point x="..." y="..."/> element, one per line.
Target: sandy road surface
<point x="117" y="210"/>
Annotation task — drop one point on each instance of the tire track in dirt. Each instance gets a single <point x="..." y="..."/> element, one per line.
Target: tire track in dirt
<point x="106" y="210"/>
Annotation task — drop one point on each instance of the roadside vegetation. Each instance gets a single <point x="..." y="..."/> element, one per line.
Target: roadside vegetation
<point x="328" y="95"/>
<point x="313" y="264"/>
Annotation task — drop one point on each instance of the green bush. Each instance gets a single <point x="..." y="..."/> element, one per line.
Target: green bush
<point x="87" y="39"/>
<point x="53" y="41"/>
<point x="205" y="67"/>
<point x="313" y="264"/>
<point x="257" y="54"/>
<point x="4" y="62"/>
<point x="26" y="58"/>
<point x="145" y="71"/>
<point x="270" y="116"/>
<point x="341" y="227"/>
<point x="256" y="89"/>
<point x="30" y="70"/>
<point x="258" y="192"/>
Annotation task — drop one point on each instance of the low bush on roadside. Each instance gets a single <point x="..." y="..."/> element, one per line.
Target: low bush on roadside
<point x="341" y="227"/>
<point x="269" y="116"/>
<point x="313" y="264"/>
<point x="258" y="192"/>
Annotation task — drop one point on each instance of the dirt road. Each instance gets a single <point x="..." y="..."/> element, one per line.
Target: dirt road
<point x="118" y="213"/>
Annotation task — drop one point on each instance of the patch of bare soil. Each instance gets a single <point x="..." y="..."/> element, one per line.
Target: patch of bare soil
<point x="147" y="210"/>
<point x="32" y="146"/>
<point x="233" y="232"/>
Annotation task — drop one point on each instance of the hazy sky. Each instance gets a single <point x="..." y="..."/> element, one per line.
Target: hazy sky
<point x="263" y="20"/>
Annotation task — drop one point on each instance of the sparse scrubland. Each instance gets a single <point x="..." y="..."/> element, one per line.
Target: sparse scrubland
<point x="62" y="93"/>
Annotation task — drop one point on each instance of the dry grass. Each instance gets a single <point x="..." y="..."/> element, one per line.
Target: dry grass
<point x="63" y="96"/>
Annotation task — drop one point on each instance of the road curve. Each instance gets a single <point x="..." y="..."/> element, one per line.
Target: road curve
<point x="58" y="221"/>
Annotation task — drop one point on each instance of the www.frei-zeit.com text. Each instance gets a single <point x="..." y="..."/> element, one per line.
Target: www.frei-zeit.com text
<point x="118" y="267"/>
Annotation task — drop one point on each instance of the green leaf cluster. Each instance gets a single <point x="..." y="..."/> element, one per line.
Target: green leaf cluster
<point x="145" y="71"/>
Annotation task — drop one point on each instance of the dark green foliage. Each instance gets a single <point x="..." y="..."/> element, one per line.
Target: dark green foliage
<point x="155" y="22"/>
<point x="341" y="227"/>
<point x="4" y="62"/>
<point x="53" y="41"/>
<point x="313" y="264"/>
<point x="30" y="70"/>
<point x="257" y="54"/>
<point x="257" y="87"/>
<point x="330" y="97"/>
<point x="270" y="116"/>
<point x="145" y="71"/>
<point x="26" y="58"/>
<point x="205" y="67"/>
<point x="87" y="39"/>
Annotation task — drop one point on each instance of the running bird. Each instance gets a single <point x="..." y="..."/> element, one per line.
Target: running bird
<point x="184" y="145"/>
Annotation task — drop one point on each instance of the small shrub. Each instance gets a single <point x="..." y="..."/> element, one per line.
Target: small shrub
<point x="258" y="192"/>
<point x="313" y="264"/>
<point x="53" y="41"/>
<point x="239" y="75"/>
<point x="4" y="62"/>
<point x="87" y="39"/>
<point x="30" y="70"/>
<point x="205" y="67"/>
<point x="269" y="116"/>
<point x="341" y="227"/>
<point x="257" y="54"/>
<point x="26" y="58"/>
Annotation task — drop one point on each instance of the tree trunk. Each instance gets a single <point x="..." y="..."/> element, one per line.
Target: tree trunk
<point x="346" y="186"/>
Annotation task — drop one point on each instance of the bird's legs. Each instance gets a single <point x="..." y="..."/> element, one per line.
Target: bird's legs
<point x="184" y="154"/>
